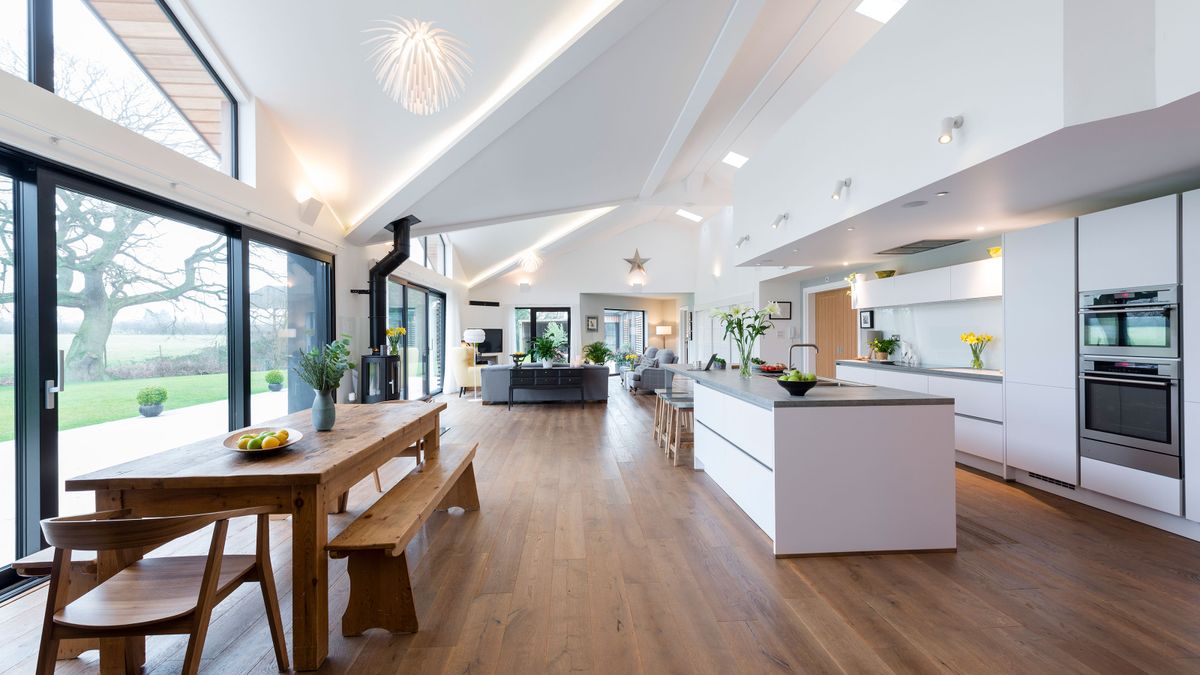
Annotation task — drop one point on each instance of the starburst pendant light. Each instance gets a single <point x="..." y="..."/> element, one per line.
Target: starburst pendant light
<point x="421" y="67"/>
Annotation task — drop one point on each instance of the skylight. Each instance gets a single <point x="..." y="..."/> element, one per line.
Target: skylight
<point x="684" y="213"/>
<point x="735" y="160"/>
<point x="880" y="10"/>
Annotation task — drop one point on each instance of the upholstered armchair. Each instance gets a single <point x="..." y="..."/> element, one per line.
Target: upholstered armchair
<point x="649" y="373"/>
<point x="466" y="374"/>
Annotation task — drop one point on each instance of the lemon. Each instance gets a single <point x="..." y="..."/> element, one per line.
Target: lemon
<point x="247" y="436"/>
<point x="255" y="444"/>
<point x="270" y="442"/>
<point x="243" y="442"/>
<point x="282" y="435"/>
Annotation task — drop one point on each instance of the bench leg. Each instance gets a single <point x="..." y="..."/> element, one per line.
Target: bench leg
<point x="463" y="493"/>
<point x="380" y="594"/>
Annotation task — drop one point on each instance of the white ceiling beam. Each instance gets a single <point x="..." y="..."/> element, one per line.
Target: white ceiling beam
<point x="738" y="24"/>
<point x="594" y="41"/>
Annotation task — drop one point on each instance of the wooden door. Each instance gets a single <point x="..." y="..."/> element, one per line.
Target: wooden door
<point x="836" y="331"/>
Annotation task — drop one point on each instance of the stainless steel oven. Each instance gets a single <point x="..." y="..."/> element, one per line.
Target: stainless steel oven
<point x="1129" y="412"/>
<point x="1130" y="322"/>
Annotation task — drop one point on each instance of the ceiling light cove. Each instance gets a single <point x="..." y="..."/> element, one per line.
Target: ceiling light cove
<point x="735" y="160"/>
<point x="582" y="218"/>
<point x="421" y="67"/>
<point x="880" y="10"/>
<point x="684" y="213"/>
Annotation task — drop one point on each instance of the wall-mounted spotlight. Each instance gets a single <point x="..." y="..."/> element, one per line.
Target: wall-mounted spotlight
<point x="524" y="286"/>
<point x="839" y="188"/>
<point x="310" y="209"/>
<point x="779" y="220"/>
<point x="949" y="124"/>
<point x="745" y="238"/>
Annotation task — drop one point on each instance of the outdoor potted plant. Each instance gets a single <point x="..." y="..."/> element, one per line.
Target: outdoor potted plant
<point x="150" y="401"/>
<point x="882" y="348"/>
<point x="322" y="369"/>
<point x="393" y="337"/>
<point x="274" y="379"/>
<point x="744" y="325"/>
<point x="544" y="348"/>
<point x="597" y="353"/>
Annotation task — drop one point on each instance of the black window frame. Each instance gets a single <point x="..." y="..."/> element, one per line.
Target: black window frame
<point x="41" y="66"/>
<point x="645" y="336"/>
<point x="534" y="311"/>
<point x="405" y="285"/>
<point x="35" y="181"/>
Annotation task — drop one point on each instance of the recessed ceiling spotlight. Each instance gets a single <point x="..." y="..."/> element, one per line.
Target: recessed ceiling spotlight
<point x="913" y="204"/>
<point x="845" y="264"/>
<point x="880" y="10"/>
<point x="735" y="160"/>
<point x="839" y="188"/>
<point x="849" y="229"/>
<point x="684" y="213"/>
<point x="949" y="124"/>
<point x="795" y="250"/>
<point x="943" y="193"/>
<point x="779" y="220"/>
<point x="979" y="228"/>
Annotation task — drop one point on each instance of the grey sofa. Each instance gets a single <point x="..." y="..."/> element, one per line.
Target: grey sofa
<point x="494" y="382"/>
<point x="649" y="374"/>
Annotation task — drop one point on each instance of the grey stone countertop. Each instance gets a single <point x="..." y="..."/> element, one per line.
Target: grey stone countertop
<point x="765" y="392"/>
<point x="940" y="371"/>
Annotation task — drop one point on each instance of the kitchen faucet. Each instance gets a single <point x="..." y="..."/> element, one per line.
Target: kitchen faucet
<point x="801" y="344"/>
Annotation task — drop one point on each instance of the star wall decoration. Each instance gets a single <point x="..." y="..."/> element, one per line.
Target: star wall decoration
<point x="637" y="263"/>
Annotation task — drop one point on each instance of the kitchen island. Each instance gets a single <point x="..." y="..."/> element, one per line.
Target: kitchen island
<point x="845" y="469"/>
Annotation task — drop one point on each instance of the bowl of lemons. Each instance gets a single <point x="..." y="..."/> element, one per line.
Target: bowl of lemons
<point x="797" y="383"/>
<point x="262" y="439"/>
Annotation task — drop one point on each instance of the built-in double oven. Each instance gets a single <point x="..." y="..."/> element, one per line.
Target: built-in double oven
<point x="1129" y="378"/>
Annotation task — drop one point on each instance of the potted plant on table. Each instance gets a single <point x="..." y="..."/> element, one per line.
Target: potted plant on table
<point x="629" y="361"/>
<point x="322" y="368"/>
<point x="274" y="379"/>
<point x="517" y="358"/>
<point x="882" y="348"/>
<point x="544" y="348"/>
<point x="597" y="353"/>
<point x="150" y="401"/>
<point x="977" y="343"/>
<point x="744" y="325"/>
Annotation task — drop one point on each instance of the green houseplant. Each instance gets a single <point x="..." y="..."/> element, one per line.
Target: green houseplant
<point x="744" y="325"/>
<point x="598" y="353"/>
<point x="544" y="348"/>
<point x="150" y="401"/>
<point x="882" y="348"/>
<point x="322" y="369"/>
<point x="274" y="379"/>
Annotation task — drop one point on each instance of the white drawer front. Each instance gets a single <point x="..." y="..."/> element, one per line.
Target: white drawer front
<point x="748" y="483"/>
<point x="979" y="438"/>
<point x="971" y="397"/>
<point x="1140" y="487"/>
<point x="856" y="374"/>
<point x="746" y="425"/>
<point x="904" y="381"/>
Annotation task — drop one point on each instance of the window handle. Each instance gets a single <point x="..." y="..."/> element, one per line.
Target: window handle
<point x="58" y="384"/>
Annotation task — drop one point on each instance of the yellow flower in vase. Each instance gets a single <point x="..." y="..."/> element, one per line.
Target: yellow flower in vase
<point x="977" y="343"/>
<point x="393" y="337"/>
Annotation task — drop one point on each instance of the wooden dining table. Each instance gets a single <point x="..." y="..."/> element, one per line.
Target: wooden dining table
<point x="307" y="479"/>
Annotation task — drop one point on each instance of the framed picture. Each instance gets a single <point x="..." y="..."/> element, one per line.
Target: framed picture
<point x="785" y="311"/>
<point x="593" y="324"/>
<point x="866" y="318"/>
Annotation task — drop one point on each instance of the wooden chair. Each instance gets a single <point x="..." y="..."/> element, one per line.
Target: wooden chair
<point x="153" y="596"/>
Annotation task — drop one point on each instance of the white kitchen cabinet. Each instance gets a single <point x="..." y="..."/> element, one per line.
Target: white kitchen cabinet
<point x="976" y="398"/>
<point x="1107" y="238"/>
<point x="979" y="437"/>
<point x="743" y="424"/>
<point x="904" y="381"/>
<point x="1139" y="487"/>
<point x="858" y="374"/>
<point x="745" y="480"/>
<point x="1040" y="430"/>
<point x="1191" y="461"/>
<point x="1191" y="312"/>
<point x="979" y="279"/>
<point x="1040" y="305"/>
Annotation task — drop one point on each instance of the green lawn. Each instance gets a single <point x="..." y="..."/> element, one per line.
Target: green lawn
<point x="123" y="349"/>
<point x="84" y="404"/>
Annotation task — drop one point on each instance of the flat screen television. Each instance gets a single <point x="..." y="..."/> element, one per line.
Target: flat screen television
<point x="493" y="343"/>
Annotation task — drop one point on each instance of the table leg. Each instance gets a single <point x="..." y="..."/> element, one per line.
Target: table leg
<point x="310" y="577"/>
<point x="433" y="438"/>
<point x="114" y="652"/>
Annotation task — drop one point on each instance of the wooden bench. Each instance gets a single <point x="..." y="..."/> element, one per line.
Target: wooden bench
<point x="82" y="580"/>
<point x="380" y="591"/>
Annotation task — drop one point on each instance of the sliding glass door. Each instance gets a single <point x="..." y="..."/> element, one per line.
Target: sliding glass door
<point x="422" y="312"/>
<point x="417" y="344"/>
<point x="9" y="494"/>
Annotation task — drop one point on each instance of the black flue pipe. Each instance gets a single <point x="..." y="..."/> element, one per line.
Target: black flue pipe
<point x="378" y="275"/>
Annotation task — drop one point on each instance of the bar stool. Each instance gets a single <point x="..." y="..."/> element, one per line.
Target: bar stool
<point x="681" y="439"/>
<point x="659" y="413"/>
<point x="668" y="418"/>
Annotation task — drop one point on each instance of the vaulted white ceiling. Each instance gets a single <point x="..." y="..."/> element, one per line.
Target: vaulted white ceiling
<point x="573" y="105"/>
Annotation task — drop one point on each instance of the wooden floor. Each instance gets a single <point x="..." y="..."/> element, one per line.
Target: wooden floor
<point x="591" y="553"/>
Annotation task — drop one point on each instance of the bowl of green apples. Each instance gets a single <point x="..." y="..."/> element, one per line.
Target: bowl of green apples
<point x="797" y="383"/>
